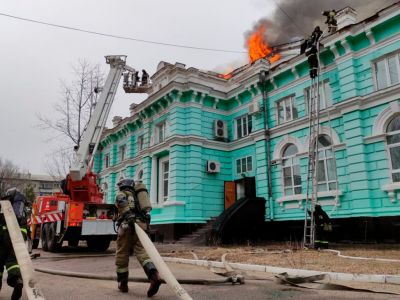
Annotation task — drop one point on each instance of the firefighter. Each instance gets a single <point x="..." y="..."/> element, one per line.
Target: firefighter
<point x="145" y="78"/>
<point x="311" y="53"/>
<point x="322" y="228"/>
<point x="133" y="206"/>
<point x="7" y="255"/>
<point x="330" y="20"/>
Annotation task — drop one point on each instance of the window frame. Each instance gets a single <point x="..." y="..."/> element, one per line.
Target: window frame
<point x="244" y="161"/>
<point x="107" y="160"/>
<point x="390" y="146"/>
<point x="140" y="142"/>
<point x="161" y="180"/>
<point x="122" y="154"/>
<point x="246" y="125"/>
<point x="325" y="159"/>
<point x="326" y="101"/>
<point x="292" y="164"/>
<point x="385" y="59"/>
<point x="293" y="105"/>
<point x="161" y="128"/>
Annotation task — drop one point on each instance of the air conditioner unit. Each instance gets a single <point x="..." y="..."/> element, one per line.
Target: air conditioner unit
<point x="254" y="108"/>
<point x="220" y="129"/>
<point x="213" y="166"/>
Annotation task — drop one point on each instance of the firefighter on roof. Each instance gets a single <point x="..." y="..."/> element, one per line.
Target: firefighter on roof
<point x="133" y="206"/>
<point x="330" y="20"/>
<point x="7" y="256"/>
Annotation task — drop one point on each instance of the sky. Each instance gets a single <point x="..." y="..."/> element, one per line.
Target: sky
<point x="35" y="58"/>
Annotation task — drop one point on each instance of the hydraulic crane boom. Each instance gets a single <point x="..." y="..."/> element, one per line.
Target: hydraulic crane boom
<point x="92" y="134"/>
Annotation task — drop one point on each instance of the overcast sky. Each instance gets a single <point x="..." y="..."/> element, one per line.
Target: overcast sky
<point x="34" y="57"/>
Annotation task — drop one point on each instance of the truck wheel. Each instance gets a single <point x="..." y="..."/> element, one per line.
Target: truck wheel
<point x="43" y="237"/>
<point x="52" y="238"/>
<point x="35" y="243"/>
<point x="98" y="243"/>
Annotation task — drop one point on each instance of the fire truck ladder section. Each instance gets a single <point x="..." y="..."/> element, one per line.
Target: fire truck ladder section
<point x="312" y="171"/>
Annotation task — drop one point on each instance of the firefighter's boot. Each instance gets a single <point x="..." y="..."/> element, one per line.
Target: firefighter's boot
<point x="122" y="279"/>
<point x="154" y="277"/>
<point x="17" y="292"/>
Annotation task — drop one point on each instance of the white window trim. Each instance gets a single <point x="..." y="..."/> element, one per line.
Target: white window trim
<point x="385" y="58"/>
<point x="248" y="117"/>
<point x="293" y="103"/>
<point x="107" y="161"/>
<point x="325" y="101"/>
<point x="291" y="157"/>
<point x="121" y="159"/>
<point x="161" y="126"/>
<point x="301" y="197"/>
<point x="245" y="158"/>
<point x="160" y="198"/>
<point x="140" y="137"/>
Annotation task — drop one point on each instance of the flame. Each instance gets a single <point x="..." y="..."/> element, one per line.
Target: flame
<point x="227" y="74"/>
<point x="259" y="48"/>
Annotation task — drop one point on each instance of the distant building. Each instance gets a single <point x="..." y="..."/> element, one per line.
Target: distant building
<point x="198" y="130"/>
<point x="42" y="184"/>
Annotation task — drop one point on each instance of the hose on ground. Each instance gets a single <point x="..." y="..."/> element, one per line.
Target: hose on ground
<point x="131" y="278"/>
<point x="361" y="257"/>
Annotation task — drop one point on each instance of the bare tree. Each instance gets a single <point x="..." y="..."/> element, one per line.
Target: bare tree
<point x="72" y="114"/>
<point x="11" y="176"/>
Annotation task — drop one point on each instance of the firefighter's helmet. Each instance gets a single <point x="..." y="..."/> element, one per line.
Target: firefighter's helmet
<point x="126" y="184"/>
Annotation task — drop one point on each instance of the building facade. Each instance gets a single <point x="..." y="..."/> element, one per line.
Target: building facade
<point x="198" y="131"/>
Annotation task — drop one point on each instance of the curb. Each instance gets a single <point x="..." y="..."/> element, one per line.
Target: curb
<point x="393" y="279"/>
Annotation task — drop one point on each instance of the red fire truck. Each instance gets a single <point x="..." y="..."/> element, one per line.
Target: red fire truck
<point x="79" y="213"/>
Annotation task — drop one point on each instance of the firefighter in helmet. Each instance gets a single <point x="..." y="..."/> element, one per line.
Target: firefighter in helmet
<point x="133" y="207"/>
<point x="7" y="256"/>
<point x="330" y="20"/>
<point x="322" y="228"/>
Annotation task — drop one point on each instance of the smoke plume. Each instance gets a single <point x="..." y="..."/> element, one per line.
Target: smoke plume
<point x="295" y="19"/>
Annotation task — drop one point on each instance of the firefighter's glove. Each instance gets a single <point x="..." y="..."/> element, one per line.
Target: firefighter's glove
<point x="130" y="219"/>
<point x="146" y="217"/>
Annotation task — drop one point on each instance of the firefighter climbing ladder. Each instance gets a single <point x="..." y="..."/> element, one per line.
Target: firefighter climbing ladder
<point x="312" y="172"/>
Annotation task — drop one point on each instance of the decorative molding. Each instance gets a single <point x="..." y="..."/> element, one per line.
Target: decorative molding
<point x="391" y="189"/>
<point x="384" y="117"/>
<point x="375" y="138"/>
<point x="300" y="197"/>
<point x="324" y="130"/>
<point x="287" y="139"/>
<point x="173" y="203"/>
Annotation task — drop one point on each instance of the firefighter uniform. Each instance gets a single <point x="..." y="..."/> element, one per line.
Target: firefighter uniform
<point x="8" y="261"/>
<point x="129" y="213"/>
<point x="322" y="228"/>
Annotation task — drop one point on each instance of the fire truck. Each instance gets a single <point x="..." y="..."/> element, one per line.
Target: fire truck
<point x="79" y="212"/>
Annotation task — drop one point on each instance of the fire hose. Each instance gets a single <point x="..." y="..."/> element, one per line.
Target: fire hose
<point x="21" y="252"/>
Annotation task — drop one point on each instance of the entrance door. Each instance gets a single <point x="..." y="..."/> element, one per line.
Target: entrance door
<point x="229" y="193"/>
<point x="246" y="187"/>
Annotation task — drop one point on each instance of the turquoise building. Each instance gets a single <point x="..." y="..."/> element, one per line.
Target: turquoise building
<point x="202" y="140"/>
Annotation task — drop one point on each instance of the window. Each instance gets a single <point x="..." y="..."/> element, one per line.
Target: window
<point x="160" y="132"/>
<point x="244" y="164"/>
<point x="326" y="165"/>
<point x="387" y="71"/>
<point x="140" y="142"/>
<point x="122" y="152"/>
<point x="243" y="126"/>
<point x="325" y="99"/>
<point x="107" y="161"/>
<point x="163" y="176"/>
<point x="286" y="109"/>
<point x="291" y="171"/>
<point x="105" y="191"/>
<point x="393" y="143"/>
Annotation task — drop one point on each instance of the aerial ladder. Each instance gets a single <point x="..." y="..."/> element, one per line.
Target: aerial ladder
<point x="312" y="170"/>
<point x="80" y="213"/>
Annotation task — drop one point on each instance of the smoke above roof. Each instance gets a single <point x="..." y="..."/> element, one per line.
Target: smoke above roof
<point x="296" y="19"/>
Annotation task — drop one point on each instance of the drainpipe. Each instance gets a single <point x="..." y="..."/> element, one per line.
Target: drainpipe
<point x="263" y="81"/>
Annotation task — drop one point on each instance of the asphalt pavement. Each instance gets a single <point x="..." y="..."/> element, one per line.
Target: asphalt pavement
<point x="65" y="288"/>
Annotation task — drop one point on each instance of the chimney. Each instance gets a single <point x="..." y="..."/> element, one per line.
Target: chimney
<point x="132" y="108"/>
<point x="346" y="16"/>
<point x="116" y="120"/>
